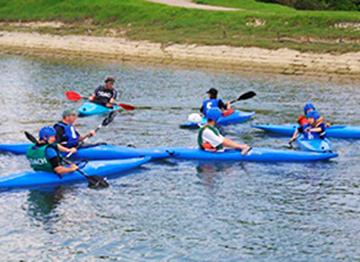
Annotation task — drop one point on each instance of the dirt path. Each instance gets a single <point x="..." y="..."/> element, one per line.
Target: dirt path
<point x="190" y="4"/>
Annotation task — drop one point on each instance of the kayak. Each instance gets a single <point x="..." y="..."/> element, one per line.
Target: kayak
<point x="314" y="145"/>
<point x="237" y="117"/>
<point x="91" y="109"/>
<point x="255" y="155"/>
<point x="100" y="152"/>
<point x="36" y="179"/>
<point x="338" y="131"/>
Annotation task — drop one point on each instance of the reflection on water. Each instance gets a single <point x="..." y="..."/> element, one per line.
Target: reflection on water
<point x="180" y="210"/>
<point x="42" y="203"/>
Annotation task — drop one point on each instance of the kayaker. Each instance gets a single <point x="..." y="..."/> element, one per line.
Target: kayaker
<point x="317" y="126"/>
<point x="106" y="94"/>
<point x="302" y="129"/>
<point x="66" y="134"/>
<point x="210" y="139"/>
<point x="309" y="107"/>
<point x="45" y="155"/>
<point x="213" y="102"/>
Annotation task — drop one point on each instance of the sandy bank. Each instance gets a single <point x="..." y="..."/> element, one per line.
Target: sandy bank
<point x="283" y="61"/>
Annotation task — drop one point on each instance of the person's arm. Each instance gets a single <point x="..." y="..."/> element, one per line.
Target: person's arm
<point x="223" y="106"/>
<point x="54" y="160"/>
<point x="294" y="136"/>
<point x="202" y="109"/>
<point x="62" y="170"/>
<point x="59" y="133"/>
<point x="91" y="98"/>
<point x="88" y="135"/>
<point x="66" y="150"/>
<point x="231" y="144"/>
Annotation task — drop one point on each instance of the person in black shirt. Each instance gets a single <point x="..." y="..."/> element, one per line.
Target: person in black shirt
<point x="105" y="95"/>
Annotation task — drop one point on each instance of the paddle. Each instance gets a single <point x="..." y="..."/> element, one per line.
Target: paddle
<point x="94" y="181"/>
<point x="74" y="96"/>
<point x="244" y="96"/>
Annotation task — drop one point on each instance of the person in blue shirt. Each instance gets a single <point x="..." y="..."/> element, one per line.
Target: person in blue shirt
<point x="45" y="155"/>
<point x="317" y="126"/>
<point x="213" y="102"/>
<point x="66" y="133"/>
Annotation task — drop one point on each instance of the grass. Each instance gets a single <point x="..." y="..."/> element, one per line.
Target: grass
<point x="256" y="24"/>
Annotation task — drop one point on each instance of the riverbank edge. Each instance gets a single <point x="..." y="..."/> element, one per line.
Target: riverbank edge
<point x="242" y="59"/>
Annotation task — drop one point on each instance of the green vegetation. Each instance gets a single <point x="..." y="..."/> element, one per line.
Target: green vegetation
<point x="256" y="24"/>
<point x="349" y="5"/>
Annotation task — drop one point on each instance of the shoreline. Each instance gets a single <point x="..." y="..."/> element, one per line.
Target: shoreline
<point x="235" y="59"/>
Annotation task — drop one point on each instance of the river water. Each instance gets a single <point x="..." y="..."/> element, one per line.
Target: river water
<point x="180" y="211"/>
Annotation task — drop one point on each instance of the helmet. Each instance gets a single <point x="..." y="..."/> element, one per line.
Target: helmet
<point x="47" y="132"/>
<point x="195" y="118"/>
<point x="313" y="114"/>
<point x="214" y="114"/>
<point x="308" y="106"/>
<point x="302" y="120"/>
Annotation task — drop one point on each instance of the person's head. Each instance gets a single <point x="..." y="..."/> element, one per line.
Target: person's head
<point x="302" y="121"/>
<point x="69" y="116"/>
<point x="109" y="82"/>
<point x="309" y="107"/>
<point x="213" y="115"/>
<point x="47" y="134"/>
<point x="212" y="93"/>
<point x="312" y="117"/>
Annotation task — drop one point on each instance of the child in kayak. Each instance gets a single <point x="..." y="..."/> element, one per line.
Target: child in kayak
<point x="105" y="95"/>
<point x="66" y="133"/>
<point x="45" y="155"/>
<point x="213" y="102"/>
<point x="317" y="126"/>
<point x="311" y="127"/>
<point x="210" y="139"/>
<point x="302" y="129"/>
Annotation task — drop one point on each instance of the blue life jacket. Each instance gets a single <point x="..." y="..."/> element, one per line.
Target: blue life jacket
<point x="70" y="137"/>
<point x="209" y="103"/>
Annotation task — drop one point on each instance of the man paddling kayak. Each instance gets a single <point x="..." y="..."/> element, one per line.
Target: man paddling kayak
<point x="106" y="94"/>
<point x="45" y="155"/>
<point x="66" y="133"/>
<point x="213" y="102"/>
<point x="210" y="139"/>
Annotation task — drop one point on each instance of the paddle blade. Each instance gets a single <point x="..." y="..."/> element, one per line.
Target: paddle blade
<point x="127" y="107"/>
<point x="73" y="96"/>
<point x="96" y="182"/>
<point x="109" y="119"/>
<point x="246" y="96"/>
<point x="30" y="137"/>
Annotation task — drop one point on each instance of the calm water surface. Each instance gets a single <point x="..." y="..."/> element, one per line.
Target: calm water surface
<point x="180" y="211"/>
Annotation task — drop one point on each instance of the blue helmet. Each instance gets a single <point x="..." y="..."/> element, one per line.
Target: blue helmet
<point x="214" y="114"/>
<point x="308" y="106"/>
<point x="47" y="132"/>
<point x="313" y="114"/>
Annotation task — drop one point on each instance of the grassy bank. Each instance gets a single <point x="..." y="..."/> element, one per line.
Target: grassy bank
<point x="256" y="24"/>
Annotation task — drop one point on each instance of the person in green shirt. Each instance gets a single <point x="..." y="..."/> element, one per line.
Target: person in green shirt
<point x="210" y="138"/>
<point x="45" y="155"/>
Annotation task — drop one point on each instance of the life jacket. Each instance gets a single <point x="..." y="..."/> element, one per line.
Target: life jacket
<point x="205" y="145"/>
<point x="37" y="158"/>
<point x="210" y="103"/>
<point x="70" y="136"/>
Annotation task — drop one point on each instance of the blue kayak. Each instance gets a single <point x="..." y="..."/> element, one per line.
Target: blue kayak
<point x="91" y="109"/>
<point x="36" y="179"/>
<point x="255" y="155"/>
<point x="237" y="117"/>
<point x="339" y="131"/>
<point x="101" y="152"/>
<point x="314" y="145"/>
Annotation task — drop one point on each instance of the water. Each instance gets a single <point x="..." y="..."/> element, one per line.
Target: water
<point x="180" y="211"/>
